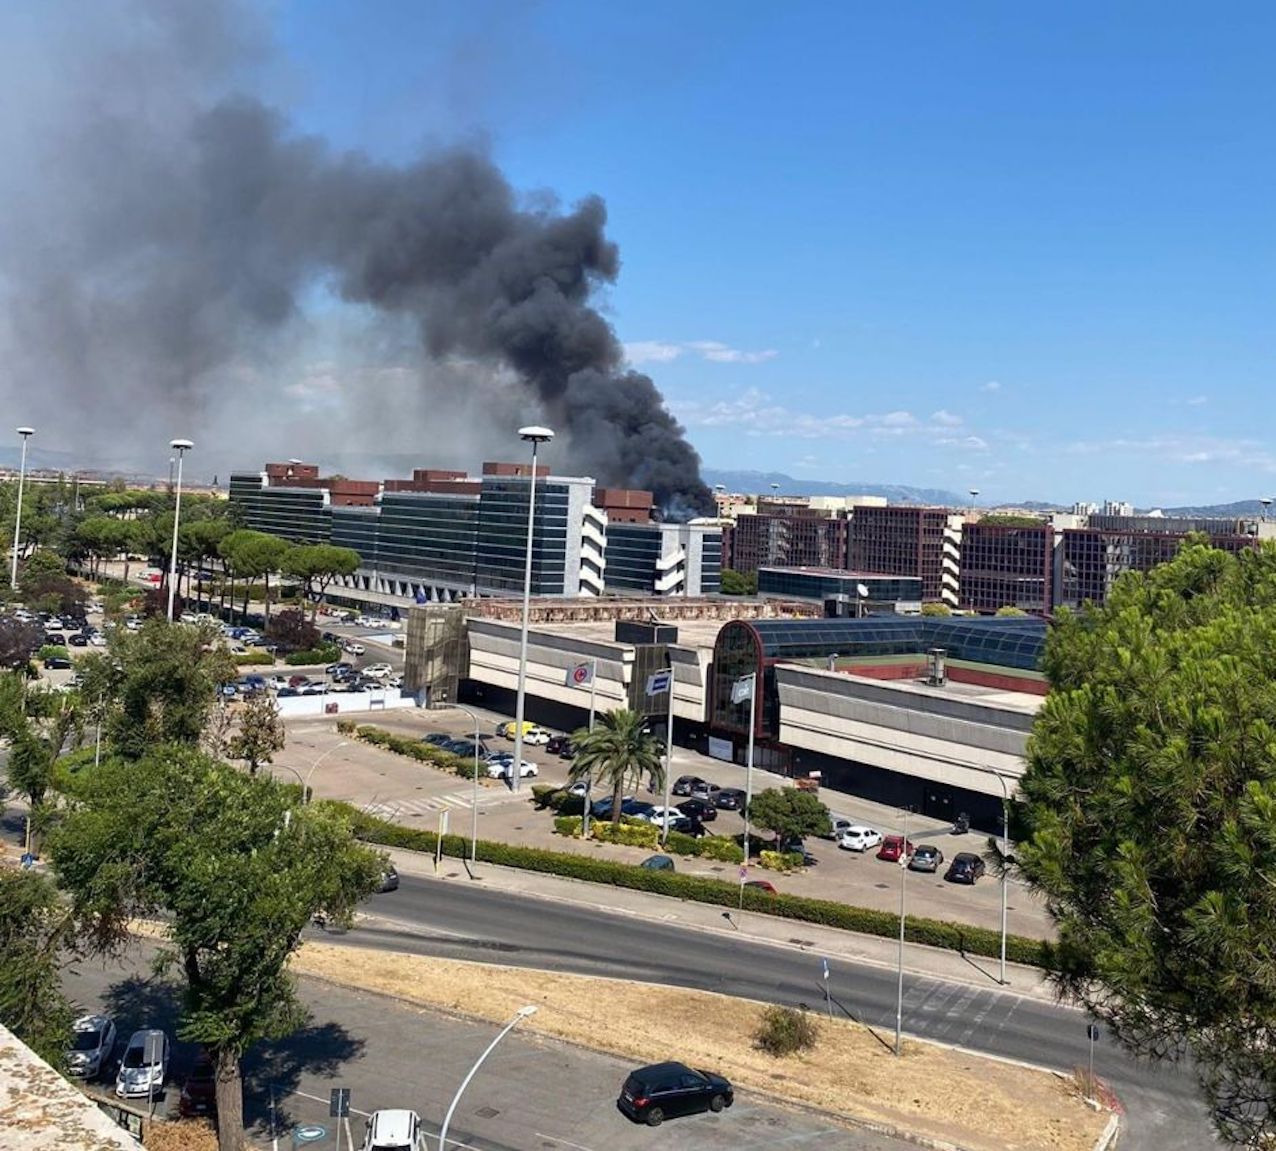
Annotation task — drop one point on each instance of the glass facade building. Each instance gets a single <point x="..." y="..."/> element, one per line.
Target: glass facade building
<point x="804" y="583"/>
<point x="298" y="514"/>
<point x="909" y="541"/>
<point x="1007" y="566"/>
<point x="756" y="646"/>
<point x="787" y="540"/>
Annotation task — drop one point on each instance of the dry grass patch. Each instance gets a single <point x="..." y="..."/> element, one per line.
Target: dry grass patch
<point x="976" y="1103"/>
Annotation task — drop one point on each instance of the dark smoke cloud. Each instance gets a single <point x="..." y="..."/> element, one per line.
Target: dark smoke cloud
<point x="163" y="235"/>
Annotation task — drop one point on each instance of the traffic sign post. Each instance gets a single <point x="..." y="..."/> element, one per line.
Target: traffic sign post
<point x="339" y="1107"/>
<point x="828" y="999"/>
<point x="1092" y="1034"/>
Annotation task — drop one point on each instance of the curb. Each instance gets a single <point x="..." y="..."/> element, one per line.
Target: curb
<point x="1110" y="1133"/>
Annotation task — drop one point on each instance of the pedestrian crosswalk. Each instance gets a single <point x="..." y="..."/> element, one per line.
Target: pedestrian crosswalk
<point x="406" y="809"/>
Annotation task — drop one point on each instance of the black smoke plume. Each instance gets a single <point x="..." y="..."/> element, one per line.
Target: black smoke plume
<point x="166" y="234"/>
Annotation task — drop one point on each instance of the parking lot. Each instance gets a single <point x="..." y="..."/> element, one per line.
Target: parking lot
<point x="418" y="795"/>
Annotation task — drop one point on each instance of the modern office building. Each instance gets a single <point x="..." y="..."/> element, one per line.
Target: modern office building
<point x="1004" y="565"/>
<point x="840" y="590"/>
<point x="1091" y="556"/>
<point x="796" y="536"/>
<point x="444" y="535"/>
<point x="904" y="540"/>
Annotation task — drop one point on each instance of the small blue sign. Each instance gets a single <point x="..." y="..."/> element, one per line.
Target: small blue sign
<point x="28" y="861"/>
<point x="309" y="1133"/>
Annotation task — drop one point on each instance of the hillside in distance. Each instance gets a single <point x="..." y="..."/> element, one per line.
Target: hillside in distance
<point x="753" y="483"/>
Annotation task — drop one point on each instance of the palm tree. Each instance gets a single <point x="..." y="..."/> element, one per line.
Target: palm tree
<point x="619" y="751"/>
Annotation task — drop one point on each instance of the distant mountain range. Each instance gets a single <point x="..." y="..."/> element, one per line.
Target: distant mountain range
<point x="755" y="483"/>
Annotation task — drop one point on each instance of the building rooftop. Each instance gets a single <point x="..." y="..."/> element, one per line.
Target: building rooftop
<point x="41" y="1111"/>
<point x="1026" y="703"/>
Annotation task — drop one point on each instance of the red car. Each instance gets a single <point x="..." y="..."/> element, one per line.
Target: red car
<point x="199" y="1093"/>
<point x="893" y="847"/>
<point x="762" y="885"/>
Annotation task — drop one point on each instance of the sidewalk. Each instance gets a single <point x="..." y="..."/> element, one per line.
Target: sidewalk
<point x="826" y="942"/>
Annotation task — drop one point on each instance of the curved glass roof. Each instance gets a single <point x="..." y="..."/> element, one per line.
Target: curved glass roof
<point x="1005" y="641"/>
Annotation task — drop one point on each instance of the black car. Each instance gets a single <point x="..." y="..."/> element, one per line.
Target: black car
<point x="728" y="798"/>
<point x="698" y="809"/>
<point x="686" y="784"/>
<point x="556" y="744"/>
<point x="966" y="867"/>
<point x="438" y="738"/>
<point x="78" y="640"/>
<point x="55" y="639"/>
<point x="58" y="661"/>
<point x="659" y="1092"/>
<point x="568" y="750"/>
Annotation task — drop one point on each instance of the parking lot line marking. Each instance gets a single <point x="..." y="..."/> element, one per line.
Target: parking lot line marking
<point x="564" y="1142"/>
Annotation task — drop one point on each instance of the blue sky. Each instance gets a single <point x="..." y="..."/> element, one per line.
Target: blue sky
<point x="1004" y="246"/>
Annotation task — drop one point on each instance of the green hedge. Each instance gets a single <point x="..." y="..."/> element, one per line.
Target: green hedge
<point x="721" y="893"/>
<point x="414" y="749"/>
<point x="249" y="658"/>
<point x="323" y="654"/>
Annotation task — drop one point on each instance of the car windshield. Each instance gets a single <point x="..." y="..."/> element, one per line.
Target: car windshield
<point x="133" y="1057"/>
<point x="87" y="1041"/>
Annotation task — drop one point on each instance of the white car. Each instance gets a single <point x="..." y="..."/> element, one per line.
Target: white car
<point x="666" y="815"/>
<point x="354" y="648"/>
<point x="97" y="640"/>
<point x="145" y="1064"/>
<point x="536" y="736"/>
<point x="377" y="671"/>
<point x="857" y="837"/>
<point x="394" y="1130"/>
<point x="92" y="1041"/>
<point x="501" y="768"/>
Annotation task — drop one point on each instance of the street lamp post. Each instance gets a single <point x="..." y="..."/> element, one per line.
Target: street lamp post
<point x="26" y="434"/>
<point x="305" y="785"/>
<point x="521" y="1014"/>
<point x="1005" y="864"/>
<point x="443" y="705"/>
<point x="181" y="447"/>
<point x="899" y="991"/>
<point x="535" y="436"/>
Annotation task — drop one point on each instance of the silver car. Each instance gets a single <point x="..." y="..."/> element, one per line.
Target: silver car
<point x="92" y="1041"/>
<point x="144" y="1067"/>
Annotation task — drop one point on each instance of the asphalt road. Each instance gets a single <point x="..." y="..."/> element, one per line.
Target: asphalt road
<point x="468" y="922"/>
<point x="531" y="1095"/>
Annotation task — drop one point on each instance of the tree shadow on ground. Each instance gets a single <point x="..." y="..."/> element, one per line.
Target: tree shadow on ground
<point x="319" y="1049"/>
<point x="137" y="1002"/>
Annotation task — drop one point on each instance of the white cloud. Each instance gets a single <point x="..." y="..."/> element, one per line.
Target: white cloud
<point x="651" y="352"/>
<point x="1197" y="401"/>
<point x="754" y="413"/>
<point x="663" y="351"/>
<point x="991" y="386"/>
<point x="1181" y="449"/>
<point x="719" y="353"/>
<point x="946" y="418"/>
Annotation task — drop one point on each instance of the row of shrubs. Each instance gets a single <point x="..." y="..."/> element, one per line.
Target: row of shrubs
<point x="325" y="653"/>
<point x="931" y="932"/>
<point x="251" y="658"/>
<point x="639" y="833"/>
<point x="412" y="748"/>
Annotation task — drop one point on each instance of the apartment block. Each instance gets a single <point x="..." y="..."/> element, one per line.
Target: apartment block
<point x="904" y="540"/>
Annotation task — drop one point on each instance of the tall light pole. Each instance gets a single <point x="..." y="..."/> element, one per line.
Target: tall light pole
<point x="521" y="1014"/>
<point x="443" y="705"/>
<point x="26" y="434"/>
<point x="181" y="447"/>
<point x="305" y="786"/>
<point x="899" y="990"/>
<point x="535" y="436"/>
<point x="1005" y="866"/>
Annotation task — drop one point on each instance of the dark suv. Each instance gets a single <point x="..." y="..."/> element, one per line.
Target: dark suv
<point x="659" y="1092"/>
<point x="966" y="867"/>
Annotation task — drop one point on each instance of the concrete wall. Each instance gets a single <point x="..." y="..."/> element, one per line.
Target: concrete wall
<point x="346" y="703"/>
<point x="920" y="734"/>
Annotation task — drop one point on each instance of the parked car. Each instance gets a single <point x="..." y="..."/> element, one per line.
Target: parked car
<point x="353" y="648"/>
<point x="92" y="1041"/>
<point x="568" y="750"/>
<point x="298" y="681"/>
<point x="579" y="789"/>
<point x="57" y="661"/>
<point x="706" y="791"/>
<point x="926" y="857"/>
<point x="893" y="848"/>
<point x="393" y="1130"/>
<point x="54" y="639"/>
<point x="966" y="867"/>
<point x="859" y="838"/>
<point x="699" y="809"/>
<point x="671" y="815"/>
<point x="502" y="769"/>
<point x="78" y="640"/>
<point x="839" y="825"/>
<point x="637" y="808"/>
<point x="508" y="728"/>
<point x="763" y="885"/>
<point x="339" y="670"/>
<point x="556" y="744"/>
<point x="796" y="846"/>
<point x="686" y="784"/>
<point x="389" y="880"/>
<point x="602" y="807"/>
<point x="658" y="863"/>
<point x="199" y="1092"/>
<point x="728" y="799"/>
<point x="377" y="671"/>
<point x="537" y="737"/>
<point x="653" y="1094"/>
<point x="437" y="738"/>
<point x="145" y="1064"/>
